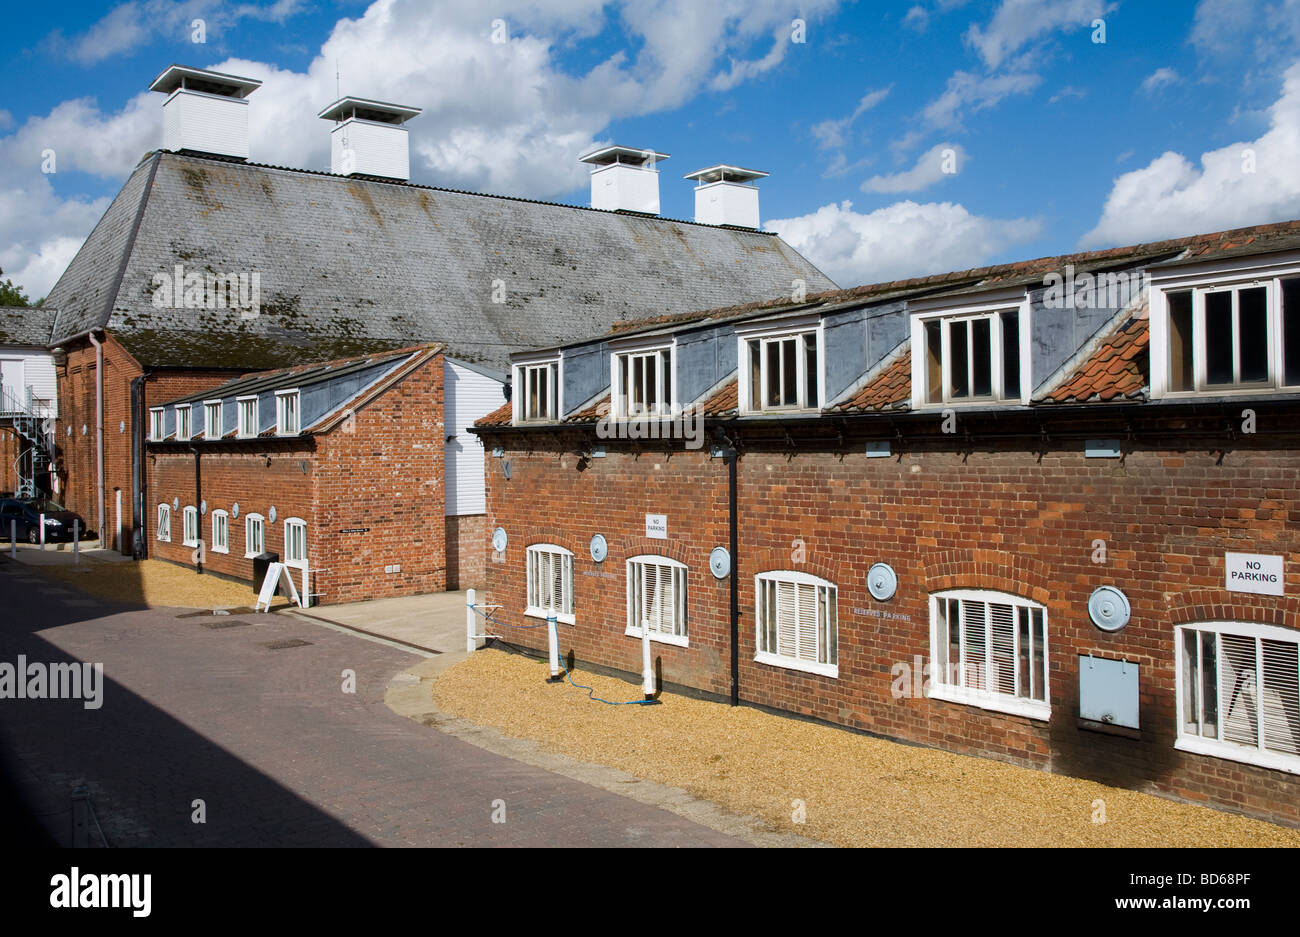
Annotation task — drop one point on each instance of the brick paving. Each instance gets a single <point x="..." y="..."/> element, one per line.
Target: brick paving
<point x="279" y="754"/>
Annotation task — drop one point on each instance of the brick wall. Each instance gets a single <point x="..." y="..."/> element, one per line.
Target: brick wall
<point x="467" y="550"/>
<point x="1001" y="520"/>
<point x="76" y="450"/>
<point x="370" y="491"/>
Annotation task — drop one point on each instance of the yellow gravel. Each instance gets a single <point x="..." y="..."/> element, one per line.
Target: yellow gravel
<point x="153" y="583"/>
<point x="854" y="790"/>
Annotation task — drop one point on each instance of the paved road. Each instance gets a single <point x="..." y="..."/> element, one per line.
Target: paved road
<point x="269" y="741"/>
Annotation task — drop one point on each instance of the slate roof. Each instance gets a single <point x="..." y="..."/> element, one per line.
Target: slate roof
<point x="350" y="266"/>
<point x="26" y="325"/>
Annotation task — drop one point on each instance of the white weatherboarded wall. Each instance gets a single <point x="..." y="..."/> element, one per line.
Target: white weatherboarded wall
<point x="21" y="368"/>
<point x="469" y="394"/>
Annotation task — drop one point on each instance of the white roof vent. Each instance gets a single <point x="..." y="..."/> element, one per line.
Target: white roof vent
<point x="368" y="138"/>
<point x="206" y="112"/>
<point x="724" y="196"/>
<point x="624" y="179"/>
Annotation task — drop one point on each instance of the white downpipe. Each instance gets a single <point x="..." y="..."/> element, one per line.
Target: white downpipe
<point x="305" y="595"/>
<point x="471" y="643"/>
<point x="76" y="541"/>
<point x="99" y="431"/>
<point x="13" y="539"/>
<point x="117" y="523"/>
<point x="553" y="645"/>
<point x="42" y="531"/>
<point x="647" y="668"/>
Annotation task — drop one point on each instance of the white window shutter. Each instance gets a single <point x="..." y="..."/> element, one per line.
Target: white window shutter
<point x="1237" y="690"/>
<point x="1280" y="701"/>
<point x="1002" y="632"/>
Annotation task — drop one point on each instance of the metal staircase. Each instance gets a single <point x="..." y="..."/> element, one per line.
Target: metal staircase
<point x="35" y="446"/>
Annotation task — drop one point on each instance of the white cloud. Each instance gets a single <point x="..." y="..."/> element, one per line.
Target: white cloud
<point x="1019" y="22"/>
<point x="1159" y="79"/>
<point x="1172" y="197"/>
<point x="917" y="18"/>
<point x="941" y="162"/>
<point x="1069" y="91"/>
<point x="902" y="240"/>
<point x="968" y="91"/>
<point x="830" y="133"/>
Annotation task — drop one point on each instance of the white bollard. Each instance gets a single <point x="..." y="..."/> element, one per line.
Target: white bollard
<point x="76" y="541"/>
<point x="471" y="643"/>
<point x="13" y="539"/>
<point x="553" y="645"/>
<point x="647" y="670"/>
<point x="42" y="531"/>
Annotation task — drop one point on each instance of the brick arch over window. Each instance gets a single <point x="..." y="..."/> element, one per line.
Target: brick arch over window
<point x="997" y="570"/>
<point x="553" y="540"/>
<point x="767" y="560"/>
<point x="625" y="549"/>
<point x="1197" y="605"/>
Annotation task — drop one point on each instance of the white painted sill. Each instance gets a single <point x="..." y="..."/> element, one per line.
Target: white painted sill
<point x="1230" y="752"/>
<point x="658" y="637"/>
<point x="1011" y="705"/>
<point x="216" y="549"/>
<point x="544" y="613"/>
<point x="790" y="663"/>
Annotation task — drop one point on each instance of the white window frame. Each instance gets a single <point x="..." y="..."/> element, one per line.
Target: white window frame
<point x="220" y="532"/>
<point x="665" y="408"/>
<point x="565" y="612"/>
<point x="638" y="567"/>
<point x="991" y="308"/>
<point x="995" y="700"/>
<point x="521" y="397"/>
<point x="157" y="424"/>
<point x="248" y="526"/>
<point x="770" y="332"/>
<point x="242" y="428"/>
<point x="295" y="562"/>
<point x="211" y="431"/>
<point x="190" y="526"/>
<point x="288" y="412"/>
<point x="164" y="527"/>
<point x="184" y="422"/>
<point x="1218" y="747"/>
<point x="829" y="668"/>
<point x="1210" y="279"/>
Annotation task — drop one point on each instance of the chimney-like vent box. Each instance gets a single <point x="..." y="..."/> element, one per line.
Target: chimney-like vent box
<point x="724" y="195"/>
<point x="624" y="178"/>
<point x="206" y="112"/>
<point x="368" y="138"/>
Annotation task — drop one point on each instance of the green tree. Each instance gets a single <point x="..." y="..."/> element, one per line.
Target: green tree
<point x="11" y="294"/>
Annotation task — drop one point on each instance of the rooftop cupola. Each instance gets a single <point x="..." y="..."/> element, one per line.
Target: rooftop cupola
<point x="205" y="112"/>
<point x="725" y="195"/>
<point x="369" y="138"/>
<point x="624" y="179"/>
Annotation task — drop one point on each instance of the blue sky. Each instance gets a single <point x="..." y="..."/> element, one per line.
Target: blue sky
<point x="1185" y="119"/>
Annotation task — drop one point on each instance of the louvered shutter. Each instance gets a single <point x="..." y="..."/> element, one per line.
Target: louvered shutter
<point x="1280" y="701"/>
<point x="1238" y="689"/>
<point x="785" y="619"/>
<point x="807" y="623"/>
<point x="1002" y="656"/>
<point x="975" y="633"/>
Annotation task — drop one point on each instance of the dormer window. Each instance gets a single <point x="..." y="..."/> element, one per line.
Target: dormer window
<point x="246" y="425"/>
<point x="643" y="383"/>
<point x="537" y="391"/>
<point x="781" y="371"/>
<point x="157" y="424"/>
<point x="183" y="425"/>
<point x="287" y="412"/>
<point x="970" y="356"/>
<point x="1224" y="337"/>
<point x="212" y="419"/>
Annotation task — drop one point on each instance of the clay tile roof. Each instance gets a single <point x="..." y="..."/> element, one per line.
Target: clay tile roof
<point x="1117" y="369"/>
<point x="591" y="414"/>
<point x="498" y="417"/>
<point x="725" y="402"/>
<point x="890" y="389"/>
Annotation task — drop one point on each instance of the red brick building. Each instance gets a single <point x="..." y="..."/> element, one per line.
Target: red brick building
<point x="1047" y="513"/>
<point x="338" y="468"/>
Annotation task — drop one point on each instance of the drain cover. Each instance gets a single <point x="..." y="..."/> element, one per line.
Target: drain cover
<point x="286" y="643"/>
<point x="223" y="623"/>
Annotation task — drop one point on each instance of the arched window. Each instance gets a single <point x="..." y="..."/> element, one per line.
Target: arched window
<point x="164" y="531"/>
<point x="798" y="622"/>
<point x="656" y="599"/>
<point x="989" y="649"/>
<point x="550" y="582"/>
<point x="254" y="535"/>
<point x="220" y="532"/>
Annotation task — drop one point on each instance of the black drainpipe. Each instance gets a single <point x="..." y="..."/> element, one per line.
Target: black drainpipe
<point x="138" y="470"/>
<point x="198" y="506"/>
<point x="735" y="588"/>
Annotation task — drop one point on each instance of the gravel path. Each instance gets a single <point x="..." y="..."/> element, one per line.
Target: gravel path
<point x="851" y="790"/>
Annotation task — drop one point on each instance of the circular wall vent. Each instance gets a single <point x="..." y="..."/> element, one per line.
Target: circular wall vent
<point x="1109" y="609"/>
<point x="720" y="563"/>
<point x="599" y="548"/>
<point x="499" y="540"/>
<point x="882" y="582"/>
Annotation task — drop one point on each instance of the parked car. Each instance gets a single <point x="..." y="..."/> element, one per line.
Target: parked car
<point x="58" y="520"/>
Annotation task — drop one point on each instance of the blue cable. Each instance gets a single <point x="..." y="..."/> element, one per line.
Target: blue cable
<point x="591" y="691"/>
